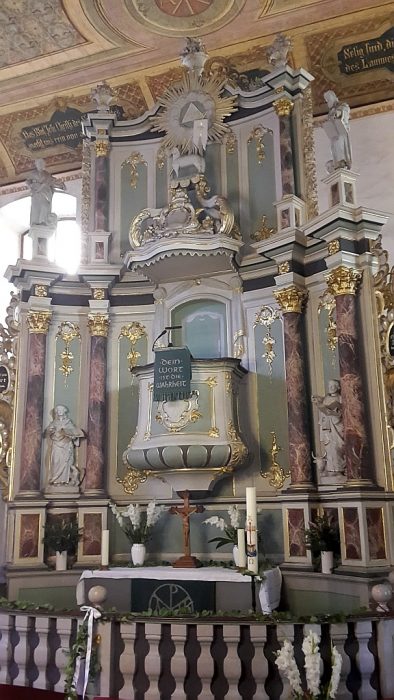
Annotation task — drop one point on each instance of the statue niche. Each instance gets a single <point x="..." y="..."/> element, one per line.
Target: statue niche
<point x="63" y="437"/>
<point x="332" y="463"/>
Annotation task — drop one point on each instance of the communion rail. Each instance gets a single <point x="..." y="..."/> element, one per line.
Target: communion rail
<point x="193" y="659"/>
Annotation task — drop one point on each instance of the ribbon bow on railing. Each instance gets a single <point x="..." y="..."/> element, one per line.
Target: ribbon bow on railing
<point x="91" y="614"/>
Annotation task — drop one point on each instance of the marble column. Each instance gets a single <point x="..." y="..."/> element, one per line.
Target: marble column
<point x="97" y="429"/>
<point x="283" y="107"/>
<point x="291" y="300"/>
<point x="101" y="186"/>
<point x="342" y="283"/>
<point x="30" y="470"/>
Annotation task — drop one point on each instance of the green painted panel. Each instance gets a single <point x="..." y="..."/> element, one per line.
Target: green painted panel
<point x="213" y="172"/>
<point x="262" y="192"/>
<point x="66" y="392"/>
<point x="203" y="328"/>
<point x="132" y="200"/>
<point x="161" y="187"/>
<point x="316" y="603"/>
<point x="271" y="396"/>
<point x="127" y="396"/>
<point x="233" y="181"/>
<point x="59" y="596"/>
<point x="329" y="357"/>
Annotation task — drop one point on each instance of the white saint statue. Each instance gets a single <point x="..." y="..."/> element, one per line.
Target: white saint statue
<point x="42" y="186"/>
<point x="64" y="436"/>
<point x="337" y="129"/>
<point x="331" y="428"/>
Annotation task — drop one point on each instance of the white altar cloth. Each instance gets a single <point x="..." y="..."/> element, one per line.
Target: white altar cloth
<point x="162" y="573"/>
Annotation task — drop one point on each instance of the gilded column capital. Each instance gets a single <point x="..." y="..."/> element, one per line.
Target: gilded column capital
<point x="39" y="321"/>
<point x="283" y="106"/>
<point x="101" y="146"/>
<point x="343" y="280"/>
<point x="98" y="324"/>
<point x="291" y="299"/>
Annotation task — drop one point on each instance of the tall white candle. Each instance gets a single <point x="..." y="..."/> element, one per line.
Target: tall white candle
<point x="251" y="530"/>
<point x="104" y="547"/>
<point x="241" y="548"/>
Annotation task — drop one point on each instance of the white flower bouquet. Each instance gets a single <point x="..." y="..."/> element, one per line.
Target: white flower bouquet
<point x="229" y="535"/>
<point x="137" y="524"/>
<point x="286" y="663"/>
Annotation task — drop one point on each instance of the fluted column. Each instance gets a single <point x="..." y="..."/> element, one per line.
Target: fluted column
<point x="38" y="323"/>
<point x="97" y="433"/>
<point x="342" y="283"/>
<point x="101" y="184"/>
<point x="291" y="300"/>
<point x="283" y="107"/>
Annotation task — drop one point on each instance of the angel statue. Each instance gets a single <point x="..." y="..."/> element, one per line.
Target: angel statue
<point x="331" y="428"/>
<point x="337" y="129"/>
<point x="64" y="436"/>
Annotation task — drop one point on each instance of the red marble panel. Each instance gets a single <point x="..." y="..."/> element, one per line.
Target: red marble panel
<point x="352" y="533"/>
<point x="375" y="529"/>
<point x="96" y="440"/>
<point x="29" y="537"/>
<point x="286" y="156"/>
<point x="354" y="419"/>
<point x="91" y="538"/>
<point x="101" y="193"/>
<point x="33" y="419"/>
<point x="299" y="440"/>
<point x="296" y="529"/>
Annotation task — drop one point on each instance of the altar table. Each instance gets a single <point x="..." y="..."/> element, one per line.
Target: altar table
<point x="217" y="587"/>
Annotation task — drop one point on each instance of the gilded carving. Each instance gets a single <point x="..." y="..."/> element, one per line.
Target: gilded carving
<point x="327" y="302"/>
<point x="67" y="333"/>
<point x="175" y="415"/>
<point x="266" y="317"/>
<point x="334" y="247"/>
<point x="284" y="267"/>
<point x="257" y="135"/>
<point x="133" y="160"/>
<point x="263" y="232"/>
<point x="283" y="106"/>
<point x="133" y="332"/>
<point x="40" y="290"/>
<point x="343" y="280"/>
<point x="291" y="299"/>
<point x="132" y="479"/>
<point x="231" y="142"/>
<point x="309" y="155"/>
<point x="98" y="293"/>
<point x="239" y="451"/>
<point x="98" y="324"/>
<point x="86" y="195"/>
<point x="9" y="338"/>
<point x="101" y="147"/>
<point x="276" y="475"/>
<point x="39" y="321"/>
<point x="384" y="293"/>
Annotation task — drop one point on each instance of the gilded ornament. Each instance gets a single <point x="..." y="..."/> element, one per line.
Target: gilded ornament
<point x="213" y="432"/>
<point x="40" y="290"/>
<point x="211" y="381"/>
<point x="239" y="451"/>
<point x="133" y="161"/>
<point x="309" y="154"/>
<point x="283" y="106"/>
<point x="101" y="147"/>
<point x="334" y="247"/>
<point x="98" y="325"/>
<point x="161" y="157"/>
<point x="263" y="232"/>
<point x="238" y="343"/>
<point x="231" y="142"/>
<point x="133" y="478"/>
<point x="266" y="317"/>
<point x="86" y="197"/>
<point x="284" y="267"/>
<point x="276" y="475"/>
<point x="327" y="302"/>
<point x="9" y="342"/>
<point x="39" y="321"/>
<point x="67" y="333"/>
<point x="202" y="188"/>
<point x="257" y="135"/>
<point x="98" y="293"/>
<point x="291" y="299"/>
<point x="133" y="332"/>
<point x="343" y="280"/>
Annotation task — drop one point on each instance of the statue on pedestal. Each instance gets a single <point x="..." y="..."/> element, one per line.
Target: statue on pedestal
<point x="42" y="186"/>
<point x="337" y="129"/>
<point x="64" y="436"/>
<point x="331" y="430"/>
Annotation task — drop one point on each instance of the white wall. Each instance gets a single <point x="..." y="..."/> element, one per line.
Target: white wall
<point x="372" y="140"/>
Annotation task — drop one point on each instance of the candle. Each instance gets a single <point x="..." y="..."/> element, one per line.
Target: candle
<point x="105" y="548"/>
<point x="251" y="529"/>
<point x="241" y="548"/>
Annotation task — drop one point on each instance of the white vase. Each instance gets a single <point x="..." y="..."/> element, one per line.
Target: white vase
<point x="270" y="590"/>
<point x="327" y="562"/>
<point x="138" y="552"/>
<point x="236" y="555"/>
<point x="61" y="561"/>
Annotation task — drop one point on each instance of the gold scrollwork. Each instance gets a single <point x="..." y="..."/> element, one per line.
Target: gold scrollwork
<point x="98" y="325"/>
<point x="343" y="280"/>
<point x="98" y="293"/>
<point x="384" y="293"/>
<point x="40" y="290"/>
<point x="132" y="479"/>
<point x="257" y="134"/>
<point x="231" y="142"/>
<point x="239" y="451"/>
<point x="133" y="332"/>
<point x="39" y="321"/>
<point x="133" y="160"/>
<point x="334" y="247"/>
<point x="291" y="299"/>
<point x="276" y="475"/>
<point x="263" y="232"/>
<point x="284" y="267"/>
<point x="309" y="154"/>
<point x="266" y="317"/>
<point x="283" y="106"/>
<point x="9" y="342"/>
<point x="327" y="303"/>
<point x="67" y="333"/>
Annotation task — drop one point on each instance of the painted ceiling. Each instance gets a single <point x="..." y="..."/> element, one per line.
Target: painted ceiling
<point x="52" y="52"/>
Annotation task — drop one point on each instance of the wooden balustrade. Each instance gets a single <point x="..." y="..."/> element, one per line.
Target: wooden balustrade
<point x="193" y="659"/>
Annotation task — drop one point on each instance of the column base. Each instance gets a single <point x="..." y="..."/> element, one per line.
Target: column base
<point x="361" y="484"/>
<point x="301" y="486"/>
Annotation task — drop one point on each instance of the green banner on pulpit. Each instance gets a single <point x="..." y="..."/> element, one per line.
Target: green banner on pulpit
<point x="172" y="374"/>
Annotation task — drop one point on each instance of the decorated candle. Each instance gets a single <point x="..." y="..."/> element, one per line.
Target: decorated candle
<point x="251" y="529"/>
<point x="241" y="548"/>
<point x="105" y="548"/>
